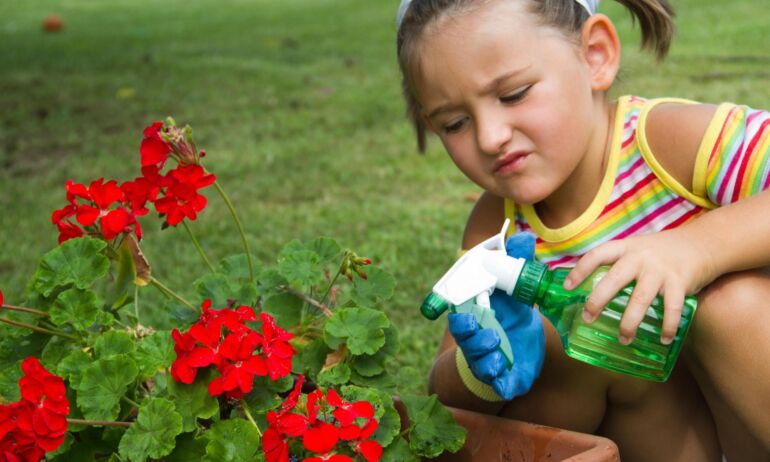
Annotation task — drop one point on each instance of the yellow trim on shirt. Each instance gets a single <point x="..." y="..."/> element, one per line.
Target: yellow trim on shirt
<point x="707" y="145"/>
<point x="665" y="177"/>
<point x="600" y="200"/>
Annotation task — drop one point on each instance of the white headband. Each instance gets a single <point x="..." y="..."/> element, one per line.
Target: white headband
<point x="589" y="5"/>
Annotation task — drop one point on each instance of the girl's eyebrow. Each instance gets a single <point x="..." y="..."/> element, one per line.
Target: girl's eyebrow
<point x="488" y="88"/>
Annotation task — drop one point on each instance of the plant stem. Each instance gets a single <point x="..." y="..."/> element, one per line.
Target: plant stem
<point x="197" y="245"/>
<point x="334" y="280"/>
<point x="24" y="309"/>
<point x="42" y="330"/>
<point x="136" y="304"/>
<point x="105" y="423"/>
<point x="171" y="294"/>
<point x="130" y="401"/>
<point x="240" y="227"/>
<point x="245" y="408"/>
<point x="324" y="309"/>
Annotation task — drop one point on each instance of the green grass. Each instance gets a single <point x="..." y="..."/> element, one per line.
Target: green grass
<point x="298" y="105"/>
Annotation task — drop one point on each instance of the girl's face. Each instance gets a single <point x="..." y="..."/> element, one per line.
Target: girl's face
<point x="510" y="99"/>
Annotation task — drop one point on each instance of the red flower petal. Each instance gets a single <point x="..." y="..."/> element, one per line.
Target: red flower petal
<point x="321" y="439"/>
<point x="115" y="222"/>
<point x="153" y="150"/>
<point x="371" y="450"/>
<point x="275" y="447"/>
<point x="291" y="424"/>
<point x="105" y="194"/>
<point x="87" y="215"/>
<point x="68" y="231"/>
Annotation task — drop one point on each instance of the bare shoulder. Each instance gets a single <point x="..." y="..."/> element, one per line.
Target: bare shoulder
<point x="485" y="219"/>
<point x="674" y="133"/>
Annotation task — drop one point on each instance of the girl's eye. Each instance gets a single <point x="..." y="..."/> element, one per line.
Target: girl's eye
<point x="454" y="127"/>
<point x="516" y="96"/>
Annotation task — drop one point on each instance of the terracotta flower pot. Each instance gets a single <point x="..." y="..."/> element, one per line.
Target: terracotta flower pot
<point x="492" y="438"/>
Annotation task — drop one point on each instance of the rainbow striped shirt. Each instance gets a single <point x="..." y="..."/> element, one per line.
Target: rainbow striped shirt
<point x="638" y="196"/>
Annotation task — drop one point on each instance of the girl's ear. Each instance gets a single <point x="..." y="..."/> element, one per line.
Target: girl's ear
<point x="601" y="48"/>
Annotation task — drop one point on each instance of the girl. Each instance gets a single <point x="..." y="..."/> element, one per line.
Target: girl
<point x="671" y="193"/>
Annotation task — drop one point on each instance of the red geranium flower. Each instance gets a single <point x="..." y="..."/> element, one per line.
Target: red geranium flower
<point x="222" y="338"/>
<point x="142" y="190"/>
<point x="103" y="204"/>
<point x="276" y="347"/>
<point x="38" y="422"/>
<point x="153" y="150"/>
<point x="181" y="199"/>
<point x="317" y="425"/>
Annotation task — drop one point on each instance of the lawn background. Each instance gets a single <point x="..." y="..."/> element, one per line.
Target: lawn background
<point x="297" y="103"/>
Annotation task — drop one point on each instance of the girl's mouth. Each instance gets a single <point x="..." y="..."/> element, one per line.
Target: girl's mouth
<point x="510" y="163"/>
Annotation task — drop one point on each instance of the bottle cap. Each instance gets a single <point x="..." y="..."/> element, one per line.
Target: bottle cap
<point x="433" y="306"/>
<point x="529" y="282"/>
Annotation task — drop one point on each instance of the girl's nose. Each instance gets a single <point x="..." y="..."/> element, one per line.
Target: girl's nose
<point x="493" y="133"/>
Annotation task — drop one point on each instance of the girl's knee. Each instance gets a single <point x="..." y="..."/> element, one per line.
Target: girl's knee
<point x="734" y="303"/>
<point x="735" y="296"/>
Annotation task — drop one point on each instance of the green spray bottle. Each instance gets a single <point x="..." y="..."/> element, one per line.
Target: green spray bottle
<point x="467" y="285"/>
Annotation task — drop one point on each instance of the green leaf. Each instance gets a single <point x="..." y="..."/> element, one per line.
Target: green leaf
<point x="104" y="382"/>
<point x="384" y="381"/>
<point x="56" y="349"/>
<point x="300" y="266"/>
<point x="77" y="307"/>
<point x="221" y="288"/>
<point x="285" y="308"/>
<point x="398" y="451"/>
<point x="310" y="358"/>
<point x="371" y="365"/>
<point x="432" y="428"/>
<point x="188" y="448"/>
<point x="114" y="342"/>
<point x="86" y="446"/>
<point x="193" y="401"/>
<point x="337" y="375"/>
<point x="378" y="286"/>
<point x="72" y="366"/>
<point x="155" y="353"/>
<point x="389" y="426"/>
<point x="362" y="329"/>
<point x="237" y="266"/>
<point x="123" y="288"/>
<point x="327" y="248"/>
<point x="233" y="440"/>
<point x="77" y="261"/>
<point x="270" y="280"/>
<point x="154" y="432"/>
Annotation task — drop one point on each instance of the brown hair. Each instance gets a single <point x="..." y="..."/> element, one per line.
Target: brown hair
<point x="655" y="19"/>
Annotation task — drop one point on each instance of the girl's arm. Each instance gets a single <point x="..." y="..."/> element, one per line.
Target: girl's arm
<point x="680" y="261"/>
<point x="485" y="220"/>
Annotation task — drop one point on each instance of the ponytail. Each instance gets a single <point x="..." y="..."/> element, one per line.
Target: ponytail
<point x="656" y="19"/>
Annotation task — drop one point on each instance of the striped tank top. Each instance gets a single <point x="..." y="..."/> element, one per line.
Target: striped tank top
<point x="638" y="196"/>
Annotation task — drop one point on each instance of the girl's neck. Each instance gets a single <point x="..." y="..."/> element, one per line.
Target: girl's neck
<point x="576" y="194"/>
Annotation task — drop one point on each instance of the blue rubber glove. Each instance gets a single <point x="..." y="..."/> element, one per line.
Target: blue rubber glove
<point x="522" y="325"/>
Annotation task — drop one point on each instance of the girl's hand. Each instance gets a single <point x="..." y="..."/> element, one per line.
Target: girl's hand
<point x="669" y="263"/>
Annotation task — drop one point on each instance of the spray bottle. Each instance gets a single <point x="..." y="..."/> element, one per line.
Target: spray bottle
<point x="469" y="282"/>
